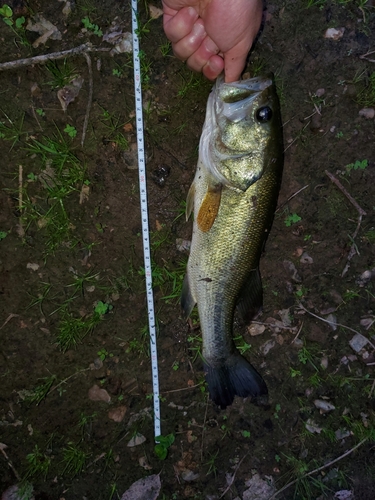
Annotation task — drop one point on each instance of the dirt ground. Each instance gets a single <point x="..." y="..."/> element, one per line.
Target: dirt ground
<point x="75" y="374"/>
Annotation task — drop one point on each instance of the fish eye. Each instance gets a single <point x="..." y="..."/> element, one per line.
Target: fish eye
<point x="264" y="114"/>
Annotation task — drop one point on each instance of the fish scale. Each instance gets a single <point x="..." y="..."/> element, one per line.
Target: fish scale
<point x="230" y="229"/>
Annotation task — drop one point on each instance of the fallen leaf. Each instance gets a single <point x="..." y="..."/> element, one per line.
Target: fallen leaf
<point x="136" y="440"/>
<point x="67" y="94"/>
<point x="334" y="33"/>
<point x="255" y="329"/>
<point x="147" y="488"/>
<point x="84" y="194"/>
<point x="144" y="463"/>
<point x="312" y="427"/>
<point x="258" y="488"/>
<point x="117" y="414"/>
<point x="155" y="12"/>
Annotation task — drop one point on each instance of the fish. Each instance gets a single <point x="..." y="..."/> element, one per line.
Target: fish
<point x="233" y="198"/>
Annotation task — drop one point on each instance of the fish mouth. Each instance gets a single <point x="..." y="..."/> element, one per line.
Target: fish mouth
<point x="242" y="89"/>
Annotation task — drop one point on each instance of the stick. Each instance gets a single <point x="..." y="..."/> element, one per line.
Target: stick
<point x="361" y="212"/>
<point x="345" y="192"/>
<point x="337" y="324"/>
<point x="89" y="101"/>
<point x="290" y="197"/>
<point x="86" y="47"/>
<point x="234" y="475"/>
<point x="319" y="468"/>
<point x="20" y="183"/>
<point x="2" y="449"/>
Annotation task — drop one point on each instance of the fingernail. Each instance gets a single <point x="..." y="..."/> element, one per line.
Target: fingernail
<point x="192" y="12"/>
<point x="198" y="29"/>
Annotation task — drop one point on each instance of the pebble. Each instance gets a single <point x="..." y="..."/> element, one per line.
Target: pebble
<point x="358" y="342"/>
<point x="367" y="113"/>
<point x="334" y="33"/>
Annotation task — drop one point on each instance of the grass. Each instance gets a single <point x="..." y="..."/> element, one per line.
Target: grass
<point x="114" y="127"/>
<point x="38" y="463"/>
<point x="72" y="330"/>
<point x="60" y="73"/>
<point x="61" y="174"/>
<point x="366" y="93"/>
<point x="74" y="460"/>
<point x="12" y="131"/>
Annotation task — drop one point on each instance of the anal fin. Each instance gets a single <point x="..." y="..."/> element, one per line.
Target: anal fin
<point x="250" y="301"/>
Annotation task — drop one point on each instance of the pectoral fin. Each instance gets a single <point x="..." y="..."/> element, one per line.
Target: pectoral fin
<point x="250" y="301"/>
<point x="190" y="201"/>
<point x="209" y="208"/>
<point x="187" y="299"/>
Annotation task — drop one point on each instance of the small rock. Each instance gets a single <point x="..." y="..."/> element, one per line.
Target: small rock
<point x="265" y="348"/>
<point x="306" y="259"/>
<point x="334" y="33"/>
<point x="33" y="266"/>
<point x="97" y="364"/>
<point x="320" y="92"/>
<point x="324" y="406"/>
<point x="117" y="414"/>
<point x="324" y="362"/>
<point x="332" y="321"/>
<point x="358" y="342"/>
<point x="183" y="245"/>
<point x="255" y="329"/>
<point x="188" y="475"/>
<point x="147" y="488"/>
<point x="367" y="113"/>
<point x="98" y="394"/>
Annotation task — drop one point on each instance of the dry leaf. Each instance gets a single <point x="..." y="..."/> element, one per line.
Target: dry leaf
<point x="67" y="94"/>
<point x="136" y="440"/>
<point x="255" y="329"/>
<point x="145" y="488"/>
<point x="117" y="414"/>
<point x="84" y="194"/>
<point x="155" y="12"/>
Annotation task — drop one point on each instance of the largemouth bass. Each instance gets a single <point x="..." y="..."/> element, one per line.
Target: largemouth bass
<point x="234" y="196"/>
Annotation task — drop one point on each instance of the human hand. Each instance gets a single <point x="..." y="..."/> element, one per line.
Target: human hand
<point x="213" y="35"/>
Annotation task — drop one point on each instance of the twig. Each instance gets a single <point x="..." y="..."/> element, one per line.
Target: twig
<point x="203" y="429"/>
<point x="338" y="324"/>
<point x="364" y="56"/>
<point x="372" y="389"/>
<point x="361" y="213"/>
<point x="183" y="389"/>
<point x="11" y="315"/>
<point x="319" y="468"/>
<point x="2" y="449"/>
<point x="89" y="101"/>
<point x="299" y="331"/>
<point x="290" y="197"/>
<point x="66" y="379"/>
<point x="86" y="47"/>
<point x="345" y="192"/>
<point x="234" y="475"/>
<point x="20" y="184"/>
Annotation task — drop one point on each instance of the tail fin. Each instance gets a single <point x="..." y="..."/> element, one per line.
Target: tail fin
<point x="235" y="377"/>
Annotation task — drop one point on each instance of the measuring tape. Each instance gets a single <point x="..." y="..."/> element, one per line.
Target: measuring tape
<point x="144" y="215"/>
